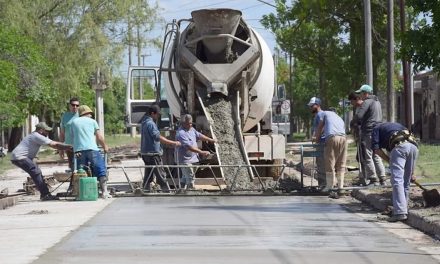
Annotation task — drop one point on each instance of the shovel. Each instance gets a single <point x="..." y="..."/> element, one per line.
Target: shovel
<point x="431" y="197"/>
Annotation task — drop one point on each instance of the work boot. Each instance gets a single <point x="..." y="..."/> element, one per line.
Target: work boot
<point x="397" y="218"/>
<point x="103" y="184"/>
<point x="49" y="197"/>
<point x="374" y="182"/>
<point x="333" y="195"/>
<point x="361" y="182"/>
<point x="165" y="189"/>
<point x="382" y="180"/>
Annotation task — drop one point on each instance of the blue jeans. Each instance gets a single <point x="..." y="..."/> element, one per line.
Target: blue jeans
<point x="31" y="168"/>
<point x="92" y="159"/>
<point x="402" y="162"/>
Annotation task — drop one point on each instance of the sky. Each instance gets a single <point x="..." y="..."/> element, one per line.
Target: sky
<point x="252" y="12"/>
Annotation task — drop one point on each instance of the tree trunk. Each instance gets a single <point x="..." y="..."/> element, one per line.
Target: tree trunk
<point x="14" y="138"/>
<point x="391" y="110"/>
<point x="139" y="45"/>
<point x="322" y="89"/>
<point x="129" y="36"/>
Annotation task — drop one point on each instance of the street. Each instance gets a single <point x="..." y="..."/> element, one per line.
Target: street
<point x="241" y="229"/>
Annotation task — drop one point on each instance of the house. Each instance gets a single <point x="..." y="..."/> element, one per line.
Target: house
<point x="426" y="106"/>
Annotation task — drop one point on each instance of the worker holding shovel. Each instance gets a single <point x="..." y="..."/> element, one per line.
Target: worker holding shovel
<point x="402" y="148"/>
<point x="367" y="115"/>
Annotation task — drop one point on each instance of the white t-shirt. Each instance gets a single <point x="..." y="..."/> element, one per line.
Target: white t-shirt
<point x="29" y="146"/>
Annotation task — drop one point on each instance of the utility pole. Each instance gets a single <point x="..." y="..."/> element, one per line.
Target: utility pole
<point x="2" y="118"/>
<point x="139" y="44"/>
<point x="407" y="96"/>
<point x="368" y="47"/>
<point x="143" y="58"/>
<point x="99" y="84"/>
<point x="293" y="125"/>
<point x="391" y="101"/>
<point x="129" y="41"/>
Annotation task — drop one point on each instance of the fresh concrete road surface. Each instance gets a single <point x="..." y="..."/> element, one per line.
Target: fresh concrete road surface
<point x="228" y="230"/>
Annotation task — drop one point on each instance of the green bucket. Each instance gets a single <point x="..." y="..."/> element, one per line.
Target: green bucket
<point x="88" y="189"/>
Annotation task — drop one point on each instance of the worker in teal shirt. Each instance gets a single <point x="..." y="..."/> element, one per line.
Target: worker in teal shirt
<point x="65" y="129"/>
<point x="86" y="133"/>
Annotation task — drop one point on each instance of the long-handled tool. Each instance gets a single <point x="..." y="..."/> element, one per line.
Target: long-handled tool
<point x="360" y="158"/>
<point x="431" y="197"/>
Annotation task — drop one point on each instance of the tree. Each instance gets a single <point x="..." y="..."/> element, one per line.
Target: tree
<point x="327" y="36"/>
<point x="421" y="42"/>
<point x="115" y="113"/>
<point x="24" y="72"/>
<point x="25" y="76"/>
<point x="141" y="18"/>
<point x="73" y="38"/>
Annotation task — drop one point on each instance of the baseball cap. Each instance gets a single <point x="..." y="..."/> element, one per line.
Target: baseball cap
<point x="365" y="89"/>
<point x="313" y="101"/>
<point x="43" y="125"/>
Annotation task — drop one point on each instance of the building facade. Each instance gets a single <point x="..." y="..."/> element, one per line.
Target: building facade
<point x="426" y="106"/>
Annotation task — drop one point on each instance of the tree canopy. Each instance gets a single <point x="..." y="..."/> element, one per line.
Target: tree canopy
<point x="421" y="42"/>
<point x="326" y="40"/>
<point x="50" y="50"/>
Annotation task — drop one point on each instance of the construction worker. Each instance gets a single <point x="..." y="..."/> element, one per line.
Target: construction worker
<point x="86" y="135"/>
<point x="65" y="130"/>
<point x="151" y="150"/>
<point x="25" y="152"/>
<point x="315" y="108"/>
<point x="356" y="101"/>
<point x="188" y="152"/>
<point x="367" y="115"/>
<point x="335" y="150"/>
<point x="402" y="148"/>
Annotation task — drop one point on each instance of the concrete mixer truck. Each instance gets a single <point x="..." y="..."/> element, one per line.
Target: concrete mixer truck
<point x="220" y="71"/>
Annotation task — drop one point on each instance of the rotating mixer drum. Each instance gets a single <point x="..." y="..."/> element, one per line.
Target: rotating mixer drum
<point x="217" y="46"/>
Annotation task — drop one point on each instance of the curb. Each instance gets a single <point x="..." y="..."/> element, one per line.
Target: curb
<point x="8" y="202"/>
<point x="427" y="224"/>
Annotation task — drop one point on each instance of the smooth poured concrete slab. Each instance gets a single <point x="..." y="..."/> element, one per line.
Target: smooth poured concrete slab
<point x="229" y="230"/>
<point x="31" y="227"/>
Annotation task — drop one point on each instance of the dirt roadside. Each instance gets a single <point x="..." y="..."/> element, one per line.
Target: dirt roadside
<point x="424" y="219"/>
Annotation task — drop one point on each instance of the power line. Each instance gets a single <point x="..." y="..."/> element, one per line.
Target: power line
<point x="251" y="7"/>
<point x="201" y="7"/>
<point x="264" y="2"/>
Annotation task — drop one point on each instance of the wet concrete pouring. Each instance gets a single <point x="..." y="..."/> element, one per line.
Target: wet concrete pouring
<point x="220" y="110"/>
